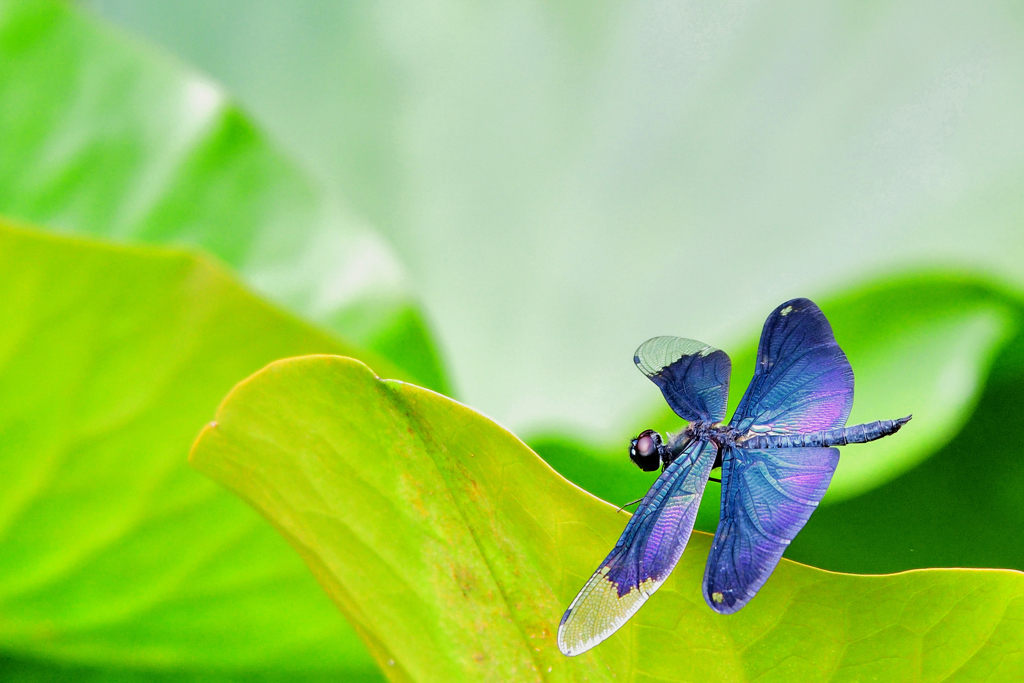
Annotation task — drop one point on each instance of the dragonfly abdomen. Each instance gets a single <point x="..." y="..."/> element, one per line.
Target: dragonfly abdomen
<point x="830" y="437"/>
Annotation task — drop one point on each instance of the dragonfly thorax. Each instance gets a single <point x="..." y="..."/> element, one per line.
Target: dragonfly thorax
<point x="722" y="434"/>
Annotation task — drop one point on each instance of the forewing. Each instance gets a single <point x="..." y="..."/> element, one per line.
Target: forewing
<point x="767" y="497"/>
<point x="802" y="380"/>
<point x="644" y="555"/>
<point x="693" y="376"/>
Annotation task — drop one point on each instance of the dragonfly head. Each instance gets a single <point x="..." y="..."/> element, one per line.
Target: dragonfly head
<point x="647" y="450"/>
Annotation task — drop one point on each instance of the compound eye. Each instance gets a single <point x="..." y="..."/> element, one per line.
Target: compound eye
<point x="645" y="450"/>
<point x="645" y="447"/>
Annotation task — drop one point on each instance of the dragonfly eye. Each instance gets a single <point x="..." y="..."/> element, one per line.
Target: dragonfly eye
<point x="645" y="450"/>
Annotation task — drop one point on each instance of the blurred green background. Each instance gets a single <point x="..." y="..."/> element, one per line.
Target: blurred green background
<point x="564" y="180"/>
<point x="498" y="201"/>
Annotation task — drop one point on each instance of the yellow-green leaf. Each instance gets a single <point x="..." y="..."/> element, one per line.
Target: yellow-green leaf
<point x="117" y="561"/>
<point x="454" y="550"/>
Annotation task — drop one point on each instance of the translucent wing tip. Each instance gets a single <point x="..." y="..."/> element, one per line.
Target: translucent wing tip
<point x="598" y="612"/>
<point x="693" y="377"/>
<point x="566" y="648"/>
<point x="658" y="352"/>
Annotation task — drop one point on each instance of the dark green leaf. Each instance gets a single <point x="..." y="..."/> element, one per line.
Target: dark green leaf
<point x="962" y="507"/>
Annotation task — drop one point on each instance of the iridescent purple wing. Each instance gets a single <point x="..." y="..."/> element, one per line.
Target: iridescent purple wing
<point x="767" y="497"/>
<point x="802" y="380"/>
<point x="644" y="556"/>
<point x="693" y="376"/>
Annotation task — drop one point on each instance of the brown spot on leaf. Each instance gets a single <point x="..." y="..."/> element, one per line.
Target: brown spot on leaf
<point x="465" y="579"/>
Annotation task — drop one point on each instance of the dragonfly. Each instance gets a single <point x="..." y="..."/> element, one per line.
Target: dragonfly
<point x="777" y="456"/>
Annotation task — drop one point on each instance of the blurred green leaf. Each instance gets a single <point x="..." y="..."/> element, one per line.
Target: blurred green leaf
<point x="919" y="344"/>
<point x="962" y="507"/>
<point x="106" y="137"/>
<point x="567" y="179"/>
<point x="115" y="557"/>
<point x="455" y="550"/>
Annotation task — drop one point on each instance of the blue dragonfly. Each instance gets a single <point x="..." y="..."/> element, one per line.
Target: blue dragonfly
<point x="777" y="455"/>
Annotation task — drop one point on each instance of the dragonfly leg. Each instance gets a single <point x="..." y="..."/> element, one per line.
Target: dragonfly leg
<point x="628" y="504"/>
